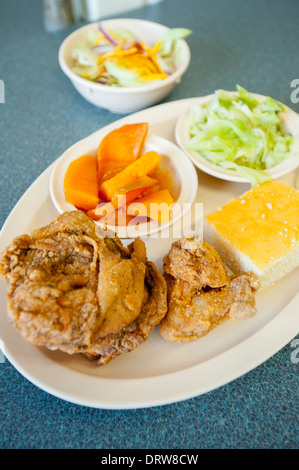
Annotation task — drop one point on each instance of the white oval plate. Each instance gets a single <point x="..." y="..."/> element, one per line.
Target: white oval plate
<point x="291" y="125"/>
<point x="174" y="162"/>
<point x="156" y="373"/>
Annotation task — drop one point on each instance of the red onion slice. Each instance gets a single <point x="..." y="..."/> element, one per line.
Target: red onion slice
<point x="107" y="36"/>
<point x="103" y="48"/>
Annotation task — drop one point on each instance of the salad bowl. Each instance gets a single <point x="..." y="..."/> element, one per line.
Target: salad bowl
<point x="280" y="163"/>
<point x="123" y="99"/>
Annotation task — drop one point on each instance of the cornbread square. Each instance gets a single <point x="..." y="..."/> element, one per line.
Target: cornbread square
<point x="258" y="231"/>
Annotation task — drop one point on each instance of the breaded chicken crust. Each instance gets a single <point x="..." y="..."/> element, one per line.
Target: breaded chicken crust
<point x="74" y="290"/>
<point x="201" y="295"/>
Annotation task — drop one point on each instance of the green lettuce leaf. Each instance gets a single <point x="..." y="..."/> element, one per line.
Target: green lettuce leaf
<point x="85" y="56"/>
<point x="170" y="41"/>
<point x="239" y="133"/>
<point x="124" y="77"/>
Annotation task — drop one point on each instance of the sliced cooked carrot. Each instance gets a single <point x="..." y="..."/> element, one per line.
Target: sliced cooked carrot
<point x="104" y="209"/>
<point x="101" y="210"/>
<point x="116" y="217"/>
<point x="156" y="206"/>
<point x="132" y="191"/>
<point x="119" y="215"/>
<point x="141" y="167"/>
<point x="143" y="182"/>
<point x="80" y="182"/>
<point x="120" y="200"/>
<point x="119" y="148"/>
<point x="111" y="210"/>
<point x="91" y="213"/>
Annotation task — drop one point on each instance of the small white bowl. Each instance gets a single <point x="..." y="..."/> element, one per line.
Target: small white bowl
<point x="122" y="100"/>
<point x="174" y="161"/>
<point x="290" y="121"/>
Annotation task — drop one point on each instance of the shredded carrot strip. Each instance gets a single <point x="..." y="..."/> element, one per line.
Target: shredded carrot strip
<point x="141" y="59"/>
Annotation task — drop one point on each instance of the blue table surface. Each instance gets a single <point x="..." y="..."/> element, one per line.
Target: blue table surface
<point x="253" y="43"/>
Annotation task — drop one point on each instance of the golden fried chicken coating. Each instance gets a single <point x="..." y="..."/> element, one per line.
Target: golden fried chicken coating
<point x="73" y="290"/>
<point x="201" y="295"/>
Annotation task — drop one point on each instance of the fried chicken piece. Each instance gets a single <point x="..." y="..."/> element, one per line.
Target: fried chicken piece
<point x="72" y="290"/>
<point x="201" y="295"/>
<point x="196" y="263"/>
<point x="136" y="333"/>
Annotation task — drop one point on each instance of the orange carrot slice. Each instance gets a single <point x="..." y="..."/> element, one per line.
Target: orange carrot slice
<point x="119" y="148"/>
<point x="132" y="191"/>
<point x="143" y="182"/>
<point x="91" y="213"/>
<point x="120" y="200"/>
<point x="80" y="182"/>
<point x="156" y="206"/>
<point x="141" y="167"/>
<point x="115" y="216"/>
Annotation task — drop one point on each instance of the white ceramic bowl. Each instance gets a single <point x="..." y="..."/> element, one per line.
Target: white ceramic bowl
<point x="122" y="100"/>
<point x="174" y="161"/>
<point x="290" y="125"/>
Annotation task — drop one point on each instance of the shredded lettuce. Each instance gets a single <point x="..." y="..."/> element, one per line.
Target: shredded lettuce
<point x="239" y="133"/>
<point x="88" y="72"/>
<point x="125" y="78"/>
<point x="85" y="56"/>
<point x="170" y="41"/>
<point x="123" y="33"/>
